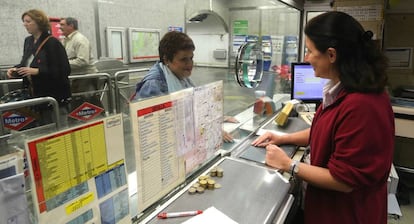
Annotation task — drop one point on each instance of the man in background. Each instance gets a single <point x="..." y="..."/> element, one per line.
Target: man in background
<point x="79" y="53"/>
<point x="81" y="61"/>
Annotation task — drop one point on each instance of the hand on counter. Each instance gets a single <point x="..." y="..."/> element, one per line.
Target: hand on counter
<point x="277" y="158"/>
<point x="227" y="137"/>
<point x="230" y="119"/>
<point x="266" y="139"/>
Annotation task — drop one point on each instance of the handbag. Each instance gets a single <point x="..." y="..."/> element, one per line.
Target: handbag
<point x="16" y="95"/>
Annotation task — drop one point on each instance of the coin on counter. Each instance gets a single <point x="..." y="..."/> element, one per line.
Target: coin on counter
<point x="217" y="185"/>
<point x="195" y="185"/>
<point x="203" y="177"/>
<point x="220" y="172"/>
<point x="192" y="190"/>
<point x="200" y="190"/>
<point x="203" y="183"/>
<point x="213" y="172"/>
<point x="210" y="184"/>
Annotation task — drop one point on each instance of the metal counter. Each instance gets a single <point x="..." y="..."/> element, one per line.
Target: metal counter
<point x="249" y="194"/>
<point x="257" y="154"/>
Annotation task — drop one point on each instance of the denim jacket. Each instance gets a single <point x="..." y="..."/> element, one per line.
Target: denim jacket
<point x="153" y="84"/>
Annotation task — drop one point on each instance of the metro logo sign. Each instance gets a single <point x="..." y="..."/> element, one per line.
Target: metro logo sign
<point x="16" y="121"/>
<point x="86" y="111"/>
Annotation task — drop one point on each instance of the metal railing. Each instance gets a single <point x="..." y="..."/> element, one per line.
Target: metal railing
<point x="7" y="83"/>
<point x="100" y="76"/>
<point x="122" y="81"/>
<point x="27" y="103"/>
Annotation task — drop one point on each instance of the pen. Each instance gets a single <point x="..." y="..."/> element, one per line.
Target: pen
<point x="165" y="215"/>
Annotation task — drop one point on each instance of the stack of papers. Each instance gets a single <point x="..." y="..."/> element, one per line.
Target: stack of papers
<point x="210" y="215"/>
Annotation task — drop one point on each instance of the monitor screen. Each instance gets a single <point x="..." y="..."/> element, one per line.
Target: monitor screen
<point x="305" y="86"/>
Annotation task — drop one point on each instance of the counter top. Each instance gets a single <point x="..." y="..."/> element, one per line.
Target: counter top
<point x="249" y="194"/>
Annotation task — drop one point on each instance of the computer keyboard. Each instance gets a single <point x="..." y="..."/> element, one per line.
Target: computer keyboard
<point x="307" y="117"/>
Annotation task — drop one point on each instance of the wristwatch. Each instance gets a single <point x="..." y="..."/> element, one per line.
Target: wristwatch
<point x="294" y="167"/>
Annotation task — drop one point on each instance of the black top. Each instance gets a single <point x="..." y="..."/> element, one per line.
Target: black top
<point x="53" y="65"/>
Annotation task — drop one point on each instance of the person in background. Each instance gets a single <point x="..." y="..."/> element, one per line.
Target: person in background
<point x="44" y="66"/>
<point x="172" y="73"/>
<point x="80" y="56"/>
<point x="351" y="139"/>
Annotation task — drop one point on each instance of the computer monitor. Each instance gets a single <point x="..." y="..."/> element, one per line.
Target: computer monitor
<point x="305" y="86"/>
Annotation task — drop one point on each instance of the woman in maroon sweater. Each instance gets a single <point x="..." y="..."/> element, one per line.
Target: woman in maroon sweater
<point x="352" y="135"/>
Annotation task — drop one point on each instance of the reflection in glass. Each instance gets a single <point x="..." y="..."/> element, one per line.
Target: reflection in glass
<point x="249" y="65"/>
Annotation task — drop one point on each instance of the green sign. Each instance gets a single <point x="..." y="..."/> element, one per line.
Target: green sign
<point x="240" y="27"/>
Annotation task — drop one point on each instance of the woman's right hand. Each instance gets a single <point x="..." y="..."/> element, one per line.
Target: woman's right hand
<point x="10" y="72"/>
<point x="277" y="158"/>
<point x="266" y="139"/>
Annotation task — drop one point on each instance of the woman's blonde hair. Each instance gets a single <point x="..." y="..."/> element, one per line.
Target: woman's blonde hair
<point x="40" y="18"/>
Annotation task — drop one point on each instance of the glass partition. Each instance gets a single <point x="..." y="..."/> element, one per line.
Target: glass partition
<point x="273" y="27"/>
<point x="277" y="28"/>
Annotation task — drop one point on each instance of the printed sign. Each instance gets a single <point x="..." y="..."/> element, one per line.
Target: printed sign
<point x="86" y="111"/>
<point x="15" y="121"/>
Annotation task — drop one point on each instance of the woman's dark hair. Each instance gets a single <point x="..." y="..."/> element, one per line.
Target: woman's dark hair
<point x="172" y="42"/>
<point x="359" y="60"/>
<point x="40" y="18"/>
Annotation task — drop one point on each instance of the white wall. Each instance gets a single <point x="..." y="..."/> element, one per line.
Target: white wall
<point x="205" y="45"/>
<point x="211" y="34"/>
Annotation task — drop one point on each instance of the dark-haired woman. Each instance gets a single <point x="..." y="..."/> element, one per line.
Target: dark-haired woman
<point x="351" y="139"/>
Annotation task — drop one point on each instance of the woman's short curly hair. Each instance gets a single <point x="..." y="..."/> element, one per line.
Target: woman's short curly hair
<point x="172" y="42"/>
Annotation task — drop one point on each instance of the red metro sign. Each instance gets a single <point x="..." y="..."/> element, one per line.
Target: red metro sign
<point x="15" y="121"/>
<point x="86" y="111"/>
